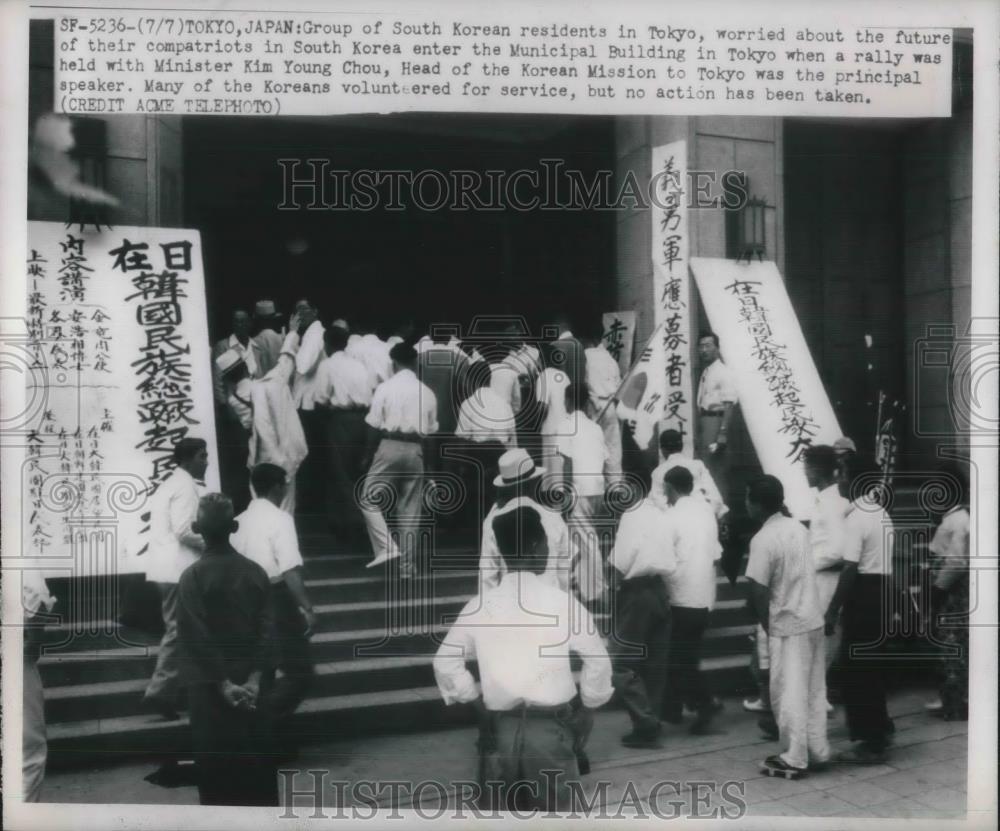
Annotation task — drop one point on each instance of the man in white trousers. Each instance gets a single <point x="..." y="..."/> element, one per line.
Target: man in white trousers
<point x="784" y="598"/>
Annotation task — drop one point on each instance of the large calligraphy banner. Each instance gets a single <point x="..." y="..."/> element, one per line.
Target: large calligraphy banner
<point x="119" y="351"/>
<point x="671" y="286"/>
<point x="784" y="404"/>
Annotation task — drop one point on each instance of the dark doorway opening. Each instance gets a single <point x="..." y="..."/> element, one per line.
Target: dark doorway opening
<point x="843" y="261"/>
<point x="382" y="265"/>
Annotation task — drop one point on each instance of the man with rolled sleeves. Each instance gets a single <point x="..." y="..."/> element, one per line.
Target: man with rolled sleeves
<point x="522" y="633"/>
<point x="402" y="415"/>
<point x="716" y="399"/>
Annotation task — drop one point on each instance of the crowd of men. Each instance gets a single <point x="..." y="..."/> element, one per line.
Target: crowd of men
<point x="332" y="420"/>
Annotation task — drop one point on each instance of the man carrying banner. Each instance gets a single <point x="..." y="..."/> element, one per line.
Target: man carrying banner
<point x="173" y="546"/>
<point x="716" y="398"/>
<point x="603" y="381"/>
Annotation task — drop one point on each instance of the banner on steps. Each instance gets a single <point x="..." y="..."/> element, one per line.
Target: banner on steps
<point x="784" y="403"/>
<point x="118" y="371"/>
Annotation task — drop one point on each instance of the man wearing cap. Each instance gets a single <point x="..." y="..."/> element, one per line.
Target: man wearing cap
<point x="267" y="323"/>
<point x="522" y="633"/>
<point x="403" y="413"/>
<point x="517" y="486"/>
<point x="716" y="399"/>
<point x="225" y="629"/>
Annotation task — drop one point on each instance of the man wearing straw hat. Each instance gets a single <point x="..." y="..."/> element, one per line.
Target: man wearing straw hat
<point x="517" y="485"/>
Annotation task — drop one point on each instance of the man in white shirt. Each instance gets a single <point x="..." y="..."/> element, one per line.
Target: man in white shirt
<point x="580" y="442"/>
<point x="785" y="601"/>
<point x="403" y="413"/>
<point x="672" y="452"/>
<point x="517" y="486"/>
<point x="231" y="433"/>
<point x="266" y="535"/>
<point x="522" y="633"/>
<point x="268" y="324"/>
<point x="246" y="347"/>
<point x="644" y="557"/>
<point x="173" y="546"/>
<point x="485" y="430"/>
<point x="308" y="355"/>
<point x="694" y="537"/>
<point x="344" y="392"/>
<point x="862" y="590"/>
<point x="603" y="380"/>
<point x="826" y="530"/>
<point x="443" y="367"/>
<point x="550" y="393"/>
<point x="716" y="399"/>
<point x="566" y="353"/>
<point x="372" y="351"/>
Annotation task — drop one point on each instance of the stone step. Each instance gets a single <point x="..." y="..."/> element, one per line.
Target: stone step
<point x="408" y="665"/>
<point x="107" y="740"/>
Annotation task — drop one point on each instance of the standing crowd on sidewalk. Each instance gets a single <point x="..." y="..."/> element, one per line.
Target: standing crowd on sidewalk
<point x="333" y="421"/>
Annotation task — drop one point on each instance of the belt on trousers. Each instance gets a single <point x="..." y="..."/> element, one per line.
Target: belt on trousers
<point x="357" y="408"/>
<point x="711" y="413"/>
<point x="394" y="436"/>
<point x="530" y="711"/>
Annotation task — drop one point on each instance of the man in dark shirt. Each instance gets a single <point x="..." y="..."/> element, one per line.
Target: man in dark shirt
<point x="224" y="634"/>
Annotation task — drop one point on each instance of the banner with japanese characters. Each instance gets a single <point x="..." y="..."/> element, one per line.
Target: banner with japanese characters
<point x="671" y="286"/>
<point x="118" y="344"/>
<point x="783" y="400"/>
<point x="619" y="337"/>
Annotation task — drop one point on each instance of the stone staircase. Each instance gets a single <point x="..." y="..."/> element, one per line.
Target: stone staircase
<point x="373" y="648"/>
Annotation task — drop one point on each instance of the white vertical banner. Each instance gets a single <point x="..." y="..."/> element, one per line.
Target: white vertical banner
<point x="671" y="286"/>
<point x="782" y="398"/>
<point x="619" y="338"/>
<point x="119" y="351"/>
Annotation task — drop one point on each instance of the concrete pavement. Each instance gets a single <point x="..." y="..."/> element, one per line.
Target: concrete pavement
<point x="715" y="775"/>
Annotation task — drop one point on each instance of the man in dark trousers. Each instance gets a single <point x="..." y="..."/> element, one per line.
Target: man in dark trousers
<point x="266" y="534"/>
<point x="224" y="625"/>
<point x="521" y="634"/>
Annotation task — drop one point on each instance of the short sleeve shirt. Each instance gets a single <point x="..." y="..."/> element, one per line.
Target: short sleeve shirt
<point x="868" y="535"/>
<point x="716" y="387"/>
<point x="266" y="535"/>
<point x="780" y="561"/>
